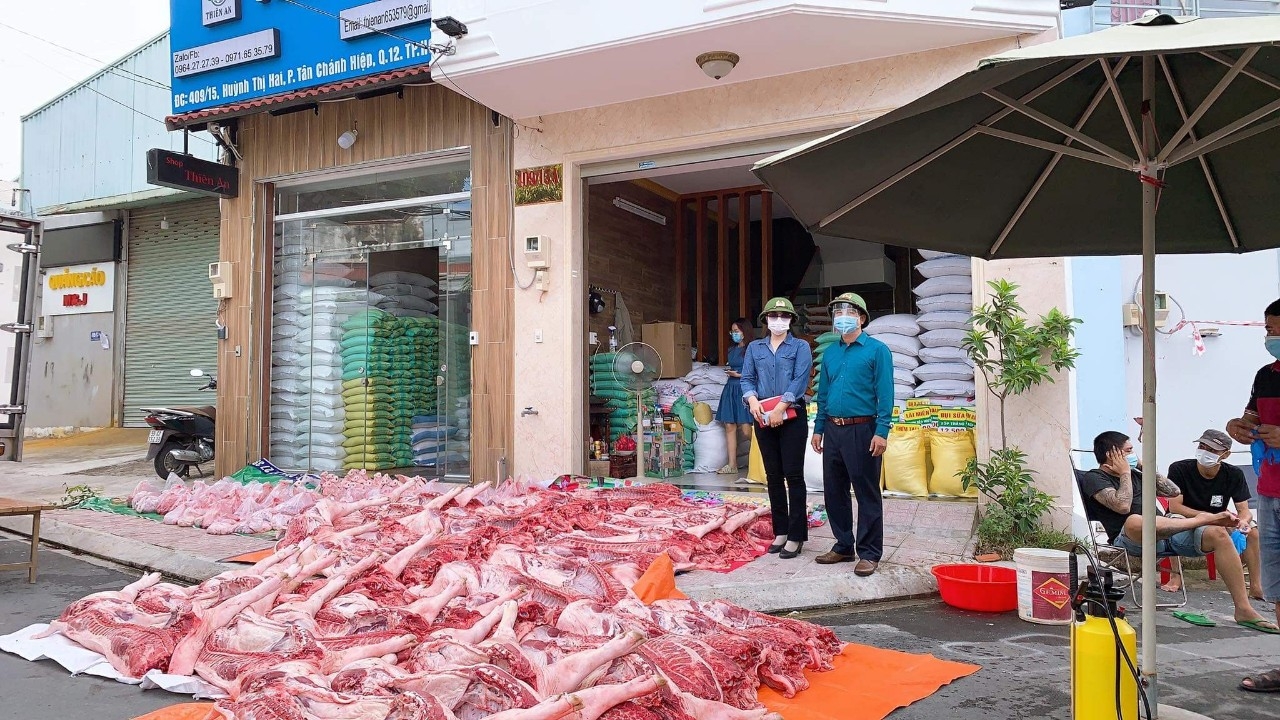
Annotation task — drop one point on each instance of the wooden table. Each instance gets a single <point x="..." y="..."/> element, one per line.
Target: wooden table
<point x="10" y="506"/>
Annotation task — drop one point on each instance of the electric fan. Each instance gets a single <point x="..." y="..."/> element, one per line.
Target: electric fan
<point x="635" y="367"/>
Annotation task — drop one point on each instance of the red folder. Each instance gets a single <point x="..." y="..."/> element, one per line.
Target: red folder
<point x="768" y="404"/>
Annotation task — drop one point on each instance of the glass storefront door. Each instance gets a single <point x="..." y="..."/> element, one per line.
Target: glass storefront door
<point x="371" y="362"/>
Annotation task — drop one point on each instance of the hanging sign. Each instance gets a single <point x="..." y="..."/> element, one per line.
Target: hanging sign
<point x="79" y="289"/>
<point x="184" y="172"/>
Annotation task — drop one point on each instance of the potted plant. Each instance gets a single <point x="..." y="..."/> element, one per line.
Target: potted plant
<point x="1014" y="355"/>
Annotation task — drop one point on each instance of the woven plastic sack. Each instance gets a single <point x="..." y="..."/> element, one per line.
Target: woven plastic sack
<point x="949" y="453"/>
<point x="906" y="461"/>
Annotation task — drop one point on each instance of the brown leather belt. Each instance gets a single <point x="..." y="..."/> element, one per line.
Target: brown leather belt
<point x="851" y="420"/>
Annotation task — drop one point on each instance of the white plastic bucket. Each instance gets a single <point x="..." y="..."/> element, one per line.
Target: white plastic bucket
<point x="1044" y="585"/>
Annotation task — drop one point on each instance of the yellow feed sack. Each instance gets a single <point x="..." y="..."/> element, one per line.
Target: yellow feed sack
<point x="950" y="451"/>
<point x="703" y="413"/>
<point x="755" y="463"/>
<point x="906" y="461"/>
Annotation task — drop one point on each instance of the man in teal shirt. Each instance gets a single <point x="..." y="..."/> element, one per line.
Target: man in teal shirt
<point x="855" y="403"/>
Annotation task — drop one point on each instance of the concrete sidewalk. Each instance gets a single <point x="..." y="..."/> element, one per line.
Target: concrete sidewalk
<point x="917" y="538"/>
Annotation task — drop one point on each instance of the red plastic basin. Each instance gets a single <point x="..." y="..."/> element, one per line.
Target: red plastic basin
<point x="984" y="588"/>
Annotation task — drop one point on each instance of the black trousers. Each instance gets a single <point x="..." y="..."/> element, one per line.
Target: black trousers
<point x="847" y="463"/>
<point x="782" y="450"/>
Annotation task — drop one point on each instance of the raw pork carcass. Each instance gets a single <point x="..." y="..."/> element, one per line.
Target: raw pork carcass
<point x="393" y="598"/>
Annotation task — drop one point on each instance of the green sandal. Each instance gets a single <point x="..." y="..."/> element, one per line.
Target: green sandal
<point x="1265" y="626"/>
<point x="1194" y="618"/>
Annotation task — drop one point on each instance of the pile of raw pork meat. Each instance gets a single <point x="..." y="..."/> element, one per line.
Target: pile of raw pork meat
<point x="226" y="506"/>
<point x="399" y="599"/>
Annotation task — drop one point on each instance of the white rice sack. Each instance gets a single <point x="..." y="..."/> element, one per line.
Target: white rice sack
<point x="903" y="392"/>
<point x="902" y="344"/>
<point x="903" y="377"/>
<point x="906" y="362"/>
<point x="673" y="388"/>
<point x="812" y="465"/>
<point x="957" y="302"/>
<point x="328" y="452"/>
<point x="946" y="388"/>
<point x="710" y="448"/>
<point x="393" y="290"/>
<point x="945" y="320"/>
<point x="710" y="375"/>
<point x="944" y="371"/>
<point x="946" y="265"/>
<point x="401" y="278"/>
<point x="944" y="285"/>
<point x="943" y="338"/>
<point x="900" y="324"/>
<point x="945" y="355"/>
<point x="325" y="465"/>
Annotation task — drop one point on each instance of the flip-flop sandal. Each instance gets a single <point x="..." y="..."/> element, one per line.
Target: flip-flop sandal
<point x="1194" y="618"/>
<point x="726" y="470"/>
<point x="744" y="481"/>
<point x="1264" y="626"/>
<point x="1267" y="682"/>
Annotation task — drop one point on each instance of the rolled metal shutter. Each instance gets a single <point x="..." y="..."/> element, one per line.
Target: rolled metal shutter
<point x="170" y="310"/>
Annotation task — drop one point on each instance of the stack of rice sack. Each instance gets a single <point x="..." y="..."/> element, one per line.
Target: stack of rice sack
<point x="706" y="383"/>
<point x="928" y="447"/>
<point x="817" y="319"/>
<point x="404" y="294"/>
<point x="455" y="351"/>
<point x="820" y="345"/>
<point x="309" y="304"/>
<point x="620" y="400"/>
<point x="900" y="333"/>
<point x="946" y="303"/>
<point x="388" y="371"/>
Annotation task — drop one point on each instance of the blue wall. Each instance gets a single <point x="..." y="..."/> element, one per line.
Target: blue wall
<point x="1097" y="295"/>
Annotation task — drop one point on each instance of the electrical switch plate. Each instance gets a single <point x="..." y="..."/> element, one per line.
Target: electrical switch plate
<point x="593" y="338"/>
<point x="474" y="337"/>
<point x="537" y="336"/>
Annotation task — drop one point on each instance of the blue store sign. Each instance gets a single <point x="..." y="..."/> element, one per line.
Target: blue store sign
<point x="230" y="51"/>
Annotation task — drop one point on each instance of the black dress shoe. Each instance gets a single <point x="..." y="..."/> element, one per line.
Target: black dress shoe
<point x="776" y="547"/>
<point x="788" y="554"/>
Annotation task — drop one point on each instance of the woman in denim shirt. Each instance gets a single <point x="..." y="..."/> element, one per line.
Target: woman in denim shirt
<point x="779" y="365"/>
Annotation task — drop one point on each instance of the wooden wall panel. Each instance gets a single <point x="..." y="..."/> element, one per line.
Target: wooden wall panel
<point x="426" y="119"/>
<point x="631" y="255"/>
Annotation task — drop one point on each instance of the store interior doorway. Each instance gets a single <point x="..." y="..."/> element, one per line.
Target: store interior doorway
<point x="675" y="256"/>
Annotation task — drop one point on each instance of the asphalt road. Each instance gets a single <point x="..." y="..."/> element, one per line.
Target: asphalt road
<point x="43" y="690"/>
<point x="1025" y="666"/>
<point x="1024" y="671"/>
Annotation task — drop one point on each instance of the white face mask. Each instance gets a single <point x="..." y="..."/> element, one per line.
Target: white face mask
<point x="779" y="326"/>
<point x="1207" y="458"/>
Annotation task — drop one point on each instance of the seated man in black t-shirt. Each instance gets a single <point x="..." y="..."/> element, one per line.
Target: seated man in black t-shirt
<point x="1113" y="494"/>
<point x="1208" y="485"/>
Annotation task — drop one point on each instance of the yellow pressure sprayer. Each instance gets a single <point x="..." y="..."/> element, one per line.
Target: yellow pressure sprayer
<point x="1104" y="685"/>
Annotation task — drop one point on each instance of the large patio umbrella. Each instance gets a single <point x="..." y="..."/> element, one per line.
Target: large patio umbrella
<point x="1158" y="136"/>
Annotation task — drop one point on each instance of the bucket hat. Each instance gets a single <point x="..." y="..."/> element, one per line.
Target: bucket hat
<point x="778" y="304"/>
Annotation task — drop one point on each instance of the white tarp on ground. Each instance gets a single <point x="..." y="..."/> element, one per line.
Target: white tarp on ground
<point x="78" y="660"/>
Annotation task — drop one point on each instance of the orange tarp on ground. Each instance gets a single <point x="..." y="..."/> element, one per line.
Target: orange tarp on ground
<point x="658" y="582"/>
<point x="251" y="557"/>
<point x="867" y="684"/>
<point x="184" y="711"/>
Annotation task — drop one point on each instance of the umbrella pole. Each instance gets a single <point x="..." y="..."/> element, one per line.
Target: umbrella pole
<point x="1149" y="467"/>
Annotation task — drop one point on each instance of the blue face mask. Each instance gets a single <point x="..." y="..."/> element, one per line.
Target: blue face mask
<point x="1132" y="460"/>
<point x="735" y="336"/>
<point x="1273" y="346"/>
<point x="846" y="324"/>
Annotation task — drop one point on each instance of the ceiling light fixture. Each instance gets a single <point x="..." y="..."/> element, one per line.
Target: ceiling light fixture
<point x="643" y="212"/>
<point x="717" y="64"/>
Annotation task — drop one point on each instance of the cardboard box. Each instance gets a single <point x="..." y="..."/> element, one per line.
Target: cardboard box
<point x="663" y="454"/>
<point x="672" y="341"/>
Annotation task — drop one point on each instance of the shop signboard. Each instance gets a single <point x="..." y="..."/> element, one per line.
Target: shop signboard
<point x="231" y="51"/>
<point x="185" y="172"/>
<point x="79" y="289"/>
<point x="540" y="185"/>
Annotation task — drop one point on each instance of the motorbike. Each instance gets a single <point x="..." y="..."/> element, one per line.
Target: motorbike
<point x="182" y="437"/>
